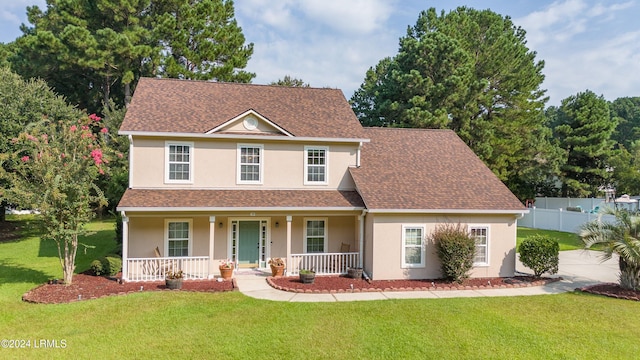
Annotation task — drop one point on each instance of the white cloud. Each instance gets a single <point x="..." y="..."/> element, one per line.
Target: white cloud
<point x="275" y="13"/>
<point x="325" y="43"/>
<point x="563" y="20"/>
<point x="611" y="69"/>
<point x="10" y="17"/>
<point x="360" y="16"/>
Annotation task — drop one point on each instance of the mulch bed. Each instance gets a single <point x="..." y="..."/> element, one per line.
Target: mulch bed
<point x="85" y="287"/>
<point x="612" y="290"/>
<point x="340" y="284"/>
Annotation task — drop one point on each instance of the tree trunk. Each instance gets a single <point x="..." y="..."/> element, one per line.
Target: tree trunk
<point x="629" y="275"/>
<point x="127" y="94"/>
<point x="3" y="210"/>
<point x="69" y="265"/>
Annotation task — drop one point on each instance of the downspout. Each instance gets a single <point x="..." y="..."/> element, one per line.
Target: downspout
<point x="130" y="161"/>
<point x="358" y="155"/>
<point x="361" y="240"/>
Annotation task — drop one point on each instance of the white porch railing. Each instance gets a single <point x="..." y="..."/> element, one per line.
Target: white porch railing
<point x="323" y="263"/>
<point x="155" y="269"/>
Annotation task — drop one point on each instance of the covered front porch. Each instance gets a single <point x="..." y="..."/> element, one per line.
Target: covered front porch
<point x="195" y="243"/>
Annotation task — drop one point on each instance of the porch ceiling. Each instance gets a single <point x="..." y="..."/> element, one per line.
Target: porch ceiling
<point x="158" y="199"/>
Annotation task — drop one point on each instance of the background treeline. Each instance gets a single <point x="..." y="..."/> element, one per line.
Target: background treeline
<point x="467" y="70"/>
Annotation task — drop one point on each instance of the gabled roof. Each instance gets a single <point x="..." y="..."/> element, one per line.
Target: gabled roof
<point x="411" y="169"/>
<point x="186" y="106"/>
<point x="230" y="200"/>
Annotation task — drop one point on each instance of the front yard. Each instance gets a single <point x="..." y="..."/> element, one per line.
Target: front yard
<point x="567" y="241"/>
<point x="231" y="325"/>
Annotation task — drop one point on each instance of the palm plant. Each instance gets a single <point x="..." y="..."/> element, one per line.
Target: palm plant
<point x="619" y="238"/>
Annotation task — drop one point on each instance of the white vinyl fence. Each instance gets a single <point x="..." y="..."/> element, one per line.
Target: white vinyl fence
<point x="560" y="220"/>
<point x="562" y="203"/>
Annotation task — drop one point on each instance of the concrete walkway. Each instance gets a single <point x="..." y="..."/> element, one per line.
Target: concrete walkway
<point x="577" y="268"/>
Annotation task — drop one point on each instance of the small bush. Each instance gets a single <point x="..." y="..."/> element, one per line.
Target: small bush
<point x="456" y="249"/>
<point x="96" y="268"/>
<point x="540" y="254"/>
<point x="109" y="265"/>
<point x="113" y="264"/>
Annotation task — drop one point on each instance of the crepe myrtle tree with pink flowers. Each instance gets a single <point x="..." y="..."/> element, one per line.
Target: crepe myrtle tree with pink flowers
<point x="58" y="166"/>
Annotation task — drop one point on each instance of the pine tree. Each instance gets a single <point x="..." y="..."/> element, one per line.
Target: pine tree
<point x="583" y="128"/>
<point x="472" y="72"/>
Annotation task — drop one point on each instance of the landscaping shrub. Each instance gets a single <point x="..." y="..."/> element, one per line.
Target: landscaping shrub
<point x="109" y="265"/>
<point x="113" y="264"/>
<point x="540" y="254"/>
<point x="456" y="249"/>
<point x="96" y="268"/>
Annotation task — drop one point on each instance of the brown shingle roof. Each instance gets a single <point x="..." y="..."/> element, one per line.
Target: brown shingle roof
<point x="142" y="199"/>
<point x="426" y="169"/>
<point x="185" y="106"/>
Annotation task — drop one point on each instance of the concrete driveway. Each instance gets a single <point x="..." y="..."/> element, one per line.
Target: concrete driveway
<point x="582" y="267"/>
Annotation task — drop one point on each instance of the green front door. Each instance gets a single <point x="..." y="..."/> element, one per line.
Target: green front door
<point x="249" y="244"/>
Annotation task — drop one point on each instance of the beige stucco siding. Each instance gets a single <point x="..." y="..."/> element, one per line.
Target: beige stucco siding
<point x="146" y="232"/>
<point x="215" y="165"/>
<point x="384" y="247"/>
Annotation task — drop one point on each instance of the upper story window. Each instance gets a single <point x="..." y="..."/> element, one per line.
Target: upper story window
<point x="250" y="164"/>
<point x="179" y="162"/>
<point x="315" y="165"/>
<point x="481" y="234"/>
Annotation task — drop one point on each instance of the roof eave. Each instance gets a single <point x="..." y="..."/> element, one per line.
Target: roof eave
<point x="244" y="136"/>
<point x="237" y="209"/>
<point x="451" y="211"/>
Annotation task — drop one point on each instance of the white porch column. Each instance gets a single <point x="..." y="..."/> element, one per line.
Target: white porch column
<point x="289" y="218"/>
<point x="361" y="238"/>
<point x="212" y="231"/>
<point x="125" y="246"/>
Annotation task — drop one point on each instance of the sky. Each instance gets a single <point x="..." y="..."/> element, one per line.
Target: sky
<point x="585" y="44"/>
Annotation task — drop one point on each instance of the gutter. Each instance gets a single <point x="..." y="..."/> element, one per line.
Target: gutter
<point x="448" y="211"/>
<point x="361" y="240"/>
<point x="169" y="135"/>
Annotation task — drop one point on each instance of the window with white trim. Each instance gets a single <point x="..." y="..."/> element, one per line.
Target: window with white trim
<point x="413" y="249"/>
<point x="250" y="159"/>
<point x="179" y="162"/>
<point x="481" y="236"/>
<point x="315" y="239"/>
<point x="178" y="237"/>
<point x="315" y="164"/>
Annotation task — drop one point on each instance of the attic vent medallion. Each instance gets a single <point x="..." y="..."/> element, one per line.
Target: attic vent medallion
<point x="250" y="123"/>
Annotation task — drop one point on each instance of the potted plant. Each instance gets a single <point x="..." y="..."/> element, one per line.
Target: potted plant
<point x="277" y="266"/>
<point x="226" y="269"/>
<point x="307" y="276"/>
<point x="173" y="279"/>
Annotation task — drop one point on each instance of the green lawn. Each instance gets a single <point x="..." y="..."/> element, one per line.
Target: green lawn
<point x="169" y="325"/>
<point x="567" y="241"/>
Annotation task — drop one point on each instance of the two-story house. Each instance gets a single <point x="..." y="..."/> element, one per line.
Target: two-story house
<point x="250" y="172"/>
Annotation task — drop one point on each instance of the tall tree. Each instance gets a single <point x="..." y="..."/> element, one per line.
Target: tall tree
<point x="89" y="51"/>
<point x="472" y="72"/>
<point x="626" y="111"/>
<point x="58" y="164"/>
<point x="92" y="51"/>
<point x="201" y="41"/>
<point x="290" y="81"/>
<point x="626" y="169"/>
<point x="21" y="103"/>
<point x="583" y="128"/>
